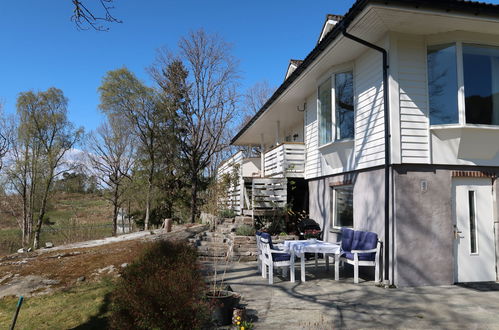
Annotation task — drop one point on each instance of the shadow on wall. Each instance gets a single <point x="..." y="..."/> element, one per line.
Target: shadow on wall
<point x="424" y="245"/>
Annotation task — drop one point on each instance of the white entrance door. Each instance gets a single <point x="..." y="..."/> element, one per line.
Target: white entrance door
<point x="474" y="247"/>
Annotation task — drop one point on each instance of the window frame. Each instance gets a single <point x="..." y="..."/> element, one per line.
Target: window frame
<point x="461" y="96"/>
<point x="333" y="191"/>
<point x="332" y="76"/>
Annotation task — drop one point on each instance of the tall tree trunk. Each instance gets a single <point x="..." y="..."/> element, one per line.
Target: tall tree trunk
<point x="41" y="215"/>
<point x="148" y="204"/>
<point x="194" y="197"/>
<point x="149" y="188"/>
<point x="115" y="210"/>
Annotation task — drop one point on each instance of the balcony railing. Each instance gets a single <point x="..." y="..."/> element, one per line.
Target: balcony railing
<point x="285" y="160"/>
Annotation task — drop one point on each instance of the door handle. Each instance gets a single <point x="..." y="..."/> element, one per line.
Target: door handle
<point x="456" y="234"/>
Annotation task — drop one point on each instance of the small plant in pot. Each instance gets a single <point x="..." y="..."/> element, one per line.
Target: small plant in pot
<point x="220" y="296"/>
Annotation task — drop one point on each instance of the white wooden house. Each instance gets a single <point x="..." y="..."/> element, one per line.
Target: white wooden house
<point x="398" y="110"/>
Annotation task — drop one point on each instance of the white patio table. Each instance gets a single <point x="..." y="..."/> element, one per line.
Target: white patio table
<point x="300" y="247"/>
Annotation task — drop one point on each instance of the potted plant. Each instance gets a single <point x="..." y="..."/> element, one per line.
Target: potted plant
<point x="220" y="296"/>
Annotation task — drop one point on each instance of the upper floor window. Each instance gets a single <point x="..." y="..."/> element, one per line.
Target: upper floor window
<point x="344" y="105"/>
<point x="343" y="119"/>
<point x="480" y="83"/>
<point x="442" y="84"/>
<point x="325" y="118"/>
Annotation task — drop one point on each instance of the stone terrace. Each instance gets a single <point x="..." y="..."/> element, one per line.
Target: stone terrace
<point x="322" y="303"/>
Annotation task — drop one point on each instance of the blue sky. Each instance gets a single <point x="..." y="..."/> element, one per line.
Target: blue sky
<point x="42" y="48"/>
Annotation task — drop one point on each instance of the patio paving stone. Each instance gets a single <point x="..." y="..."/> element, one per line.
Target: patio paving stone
<point x="322" y="303"/>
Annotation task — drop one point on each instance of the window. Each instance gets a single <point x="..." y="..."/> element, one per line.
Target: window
<point x="344" y="105"/>
<point x="472" y="218"/>
<point x="479" y="81"/>
<point x="343" y="108"/>
<point x="442" y="84"/>
<point x="325" y="120"/>
<point x="342" y="206"/>
<point x="481" y="84"/>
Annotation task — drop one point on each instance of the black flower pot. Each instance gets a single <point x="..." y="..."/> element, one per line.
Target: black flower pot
<point x="223" y="303"/>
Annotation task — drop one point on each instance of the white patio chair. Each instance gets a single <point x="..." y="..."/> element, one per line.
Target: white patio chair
<point x="361" y="253"/>
<point x="259" y="259"/>
<point x="272" y="258"/>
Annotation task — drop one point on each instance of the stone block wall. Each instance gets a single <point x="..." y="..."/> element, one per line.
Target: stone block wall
<point x="244" y="247"/>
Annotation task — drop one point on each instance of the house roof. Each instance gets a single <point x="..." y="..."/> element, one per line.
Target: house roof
<point x="293" y="64"/>
<point x="460" y="6"/>
<point x="329" y="23"/>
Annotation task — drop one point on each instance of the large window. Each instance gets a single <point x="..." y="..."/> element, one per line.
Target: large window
<point x="344" y="105"/>
<point x="479" y="81"/>
<point x="325" y="118"/>
<point x="481" y="84"/>
<point x="442" y="84"/>
<point x="343" y="119"/>
<point x="342" y="206"/>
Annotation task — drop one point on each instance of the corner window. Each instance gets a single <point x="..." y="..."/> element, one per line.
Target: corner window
<point x="343" y="123"/>
<point x="479" y="81"/>
<point x="481" y="84"/>
<point x="341" y="206"/>
<point x="344" y="105"/>
<point x="325" y="117"/>
<point x="442" y="84"/>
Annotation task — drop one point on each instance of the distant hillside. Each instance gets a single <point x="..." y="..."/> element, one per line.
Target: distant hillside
<point x="72" y="217"/>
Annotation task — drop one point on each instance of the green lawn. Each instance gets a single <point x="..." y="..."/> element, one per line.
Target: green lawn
<point x="81" y="307"/>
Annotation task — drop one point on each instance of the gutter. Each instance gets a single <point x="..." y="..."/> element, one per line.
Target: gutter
<point x="386" y="247"/>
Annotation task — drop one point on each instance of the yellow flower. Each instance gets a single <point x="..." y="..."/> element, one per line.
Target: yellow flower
<point x="238" y="323"/>
<point x="242" y="328"/>
<point x="238" y="317"/>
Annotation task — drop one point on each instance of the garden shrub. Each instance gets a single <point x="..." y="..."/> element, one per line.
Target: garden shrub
<point x="163" y="289"/>
<point x="245" y="230"/>
<point x="227" y="213"/>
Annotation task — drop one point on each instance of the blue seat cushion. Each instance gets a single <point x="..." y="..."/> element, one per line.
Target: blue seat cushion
<point x="362" y="256"/>
<point x="269" y="238"/>
<point x="362" y="240"/>
<point x="280" y="256"/>
<point x="346" y="239"/>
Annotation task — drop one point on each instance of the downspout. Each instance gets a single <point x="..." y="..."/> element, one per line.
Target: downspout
<point x="386" y="247"/>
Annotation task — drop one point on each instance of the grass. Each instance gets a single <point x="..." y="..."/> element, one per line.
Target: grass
<point x="74" y="217"/>
<point x="81" y="307"/>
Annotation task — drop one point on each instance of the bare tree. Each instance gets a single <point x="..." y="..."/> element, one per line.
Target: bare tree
<point x="255" y="97"/>
<point x="85" y="16"/>
<point x="201" y="83"/>
<point x="112" y="156"/>
<point x="6" y="132"/>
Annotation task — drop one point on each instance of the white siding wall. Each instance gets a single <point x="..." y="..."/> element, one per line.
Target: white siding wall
<point x="369" y="123"/>
<point x="414" y="124"/>
<point x="312" y="160"/>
